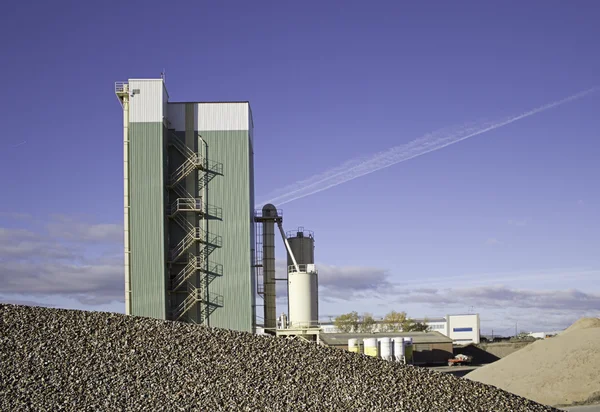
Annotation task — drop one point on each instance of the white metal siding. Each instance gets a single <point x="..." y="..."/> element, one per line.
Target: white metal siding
<point x="176" y="116"/>
<point x="251" y="126"/>
<point x="165" y="100"/>
<point x="222" y="116"/>
<point x="147" y="105"/>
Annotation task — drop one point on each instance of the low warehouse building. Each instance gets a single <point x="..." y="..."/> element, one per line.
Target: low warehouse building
<point x="428" y="347"/>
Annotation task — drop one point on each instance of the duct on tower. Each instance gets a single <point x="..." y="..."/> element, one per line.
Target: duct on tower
<point x="269" y="218"/>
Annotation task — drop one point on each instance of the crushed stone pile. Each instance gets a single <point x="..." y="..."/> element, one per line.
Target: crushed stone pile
<point x="57" y="360"/>
<point x="561" y="371"/>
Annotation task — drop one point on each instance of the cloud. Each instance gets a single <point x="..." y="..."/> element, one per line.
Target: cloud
<point x="24" y="302"/>
<point x="503" y="297"/>
<point x="16" y="215"/>
<point x="62" y="261"/>
<point x="341" y="282"/>
<point x="352" y="282"/>
<point x="68" y="228"/>
<point x="73" y="260"/>
<point x="492" y="241"/>
<point x="25" y="244"/>
<point x="518" y="222"/>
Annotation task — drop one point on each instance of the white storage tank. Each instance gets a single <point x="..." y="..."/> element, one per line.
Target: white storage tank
<point x="303" y="297"/>
<point x="399" y="349"/>
<point x="353" y="345"/>
<point x="370" y="345"/>
<point x="385" y="345"/>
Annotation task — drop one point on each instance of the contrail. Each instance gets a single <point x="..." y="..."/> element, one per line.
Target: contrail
<point x="430" y="142"/>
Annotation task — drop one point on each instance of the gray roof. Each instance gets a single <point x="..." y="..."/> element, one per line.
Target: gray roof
<point x="421" y="320"/>
<point x="333" y="339"/>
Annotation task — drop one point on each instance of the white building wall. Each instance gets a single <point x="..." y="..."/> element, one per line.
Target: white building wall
<point x="463" y="329"/>
<point x="223" y="116"/>
<point x="328" y="328"/>
<point x="542" y="335"/>
<point x="212" y="116"/>
<point x="437" y="326"/>
<point x="146" y="100"/>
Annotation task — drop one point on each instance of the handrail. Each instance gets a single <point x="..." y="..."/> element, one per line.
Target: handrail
<point x="194" y="204"/>
<point x="205" y="237"/>
<point x="301" y="325"/>
<point x="185" y="205"/>
<point x="183" y="148"/>
<point x="120" y="87"/>
<point x="305" y="267"/>
<point x="181" y="191"/>
<point x="258" y="213"/>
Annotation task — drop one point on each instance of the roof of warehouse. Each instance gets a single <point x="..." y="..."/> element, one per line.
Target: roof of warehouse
<point x="422" y="320"/>
<point x="418" y="337"/>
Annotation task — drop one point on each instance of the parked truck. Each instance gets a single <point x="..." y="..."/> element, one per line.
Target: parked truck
<point x="460" y="360"/>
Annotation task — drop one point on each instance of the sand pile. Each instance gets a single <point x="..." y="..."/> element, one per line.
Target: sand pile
<point x="53" y="360"/>
<point x="562" y="370"/>
<point x="584" y="323"/>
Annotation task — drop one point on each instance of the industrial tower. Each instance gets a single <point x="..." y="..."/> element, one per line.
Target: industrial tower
<point x="188" y="212"/>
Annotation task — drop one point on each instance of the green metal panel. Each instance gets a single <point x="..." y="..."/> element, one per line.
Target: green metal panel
<point x="147" y="219"/>
<point x="232" y="192"/>
<point x="252" y="235"/>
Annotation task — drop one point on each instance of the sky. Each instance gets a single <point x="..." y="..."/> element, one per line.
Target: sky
<point x="504" y="224"/>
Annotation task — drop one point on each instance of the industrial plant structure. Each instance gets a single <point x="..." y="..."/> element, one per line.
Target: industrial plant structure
<point x="193" y="243"/>
<point x="188" y="213"/>
<point x="302" y="318"/>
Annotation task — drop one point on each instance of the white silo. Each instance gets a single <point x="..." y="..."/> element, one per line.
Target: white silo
<point x="399" y="349"/>
<point x="370" y="345"/>
<point x="302" y="296"/>
<point x="353" y="345"/>
<point x="385" y="348"/>
<point x="303" y="284"/>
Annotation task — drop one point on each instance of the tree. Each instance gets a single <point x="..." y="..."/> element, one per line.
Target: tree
<point x="394" y="321"/>
<point x="368" y="323"/>
<point x="348" y="322"/>
<point x="412" y="326"/>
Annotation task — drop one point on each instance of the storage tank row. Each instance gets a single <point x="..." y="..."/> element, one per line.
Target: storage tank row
<point x="399" y="349"/>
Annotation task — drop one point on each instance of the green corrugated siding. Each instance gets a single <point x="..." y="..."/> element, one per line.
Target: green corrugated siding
<point x="232" y="192"/>
<point x="147" y="219"/>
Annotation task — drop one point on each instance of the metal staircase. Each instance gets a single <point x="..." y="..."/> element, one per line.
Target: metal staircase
<point x="196" y="263"/>
<point x="194" y="234"/>
<point x="194" y="296"/>
<point x="192" y="161"/>
<point x="190" y="270"/>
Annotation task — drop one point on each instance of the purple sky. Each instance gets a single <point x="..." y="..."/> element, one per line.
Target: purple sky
<point x="505" y="223"/>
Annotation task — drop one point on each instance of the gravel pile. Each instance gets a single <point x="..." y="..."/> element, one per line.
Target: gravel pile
<point x="53" y="360"/>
